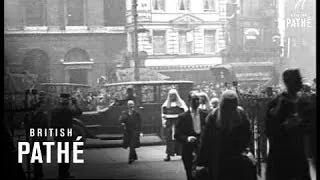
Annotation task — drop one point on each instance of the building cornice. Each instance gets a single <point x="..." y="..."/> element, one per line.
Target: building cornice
<point x="183" y="56"/>
<point x="205" y="23"/>
<point x="182" y="67"/>
<point x="66" y="30"/>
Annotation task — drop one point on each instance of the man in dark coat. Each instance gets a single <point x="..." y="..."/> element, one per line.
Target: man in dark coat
<point x="188" y="129"/>
<point x="62" y="117"/>
<point x="39" y="120"/>
<point x="286" y="127"/>
<point x="130" y="120"/>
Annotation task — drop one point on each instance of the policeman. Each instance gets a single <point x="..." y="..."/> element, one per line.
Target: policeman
<point x="62" y="117"/>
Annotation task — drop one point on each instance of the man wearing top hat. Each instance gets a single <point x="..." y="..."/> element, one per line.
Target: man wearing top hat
<point x="62" y="117"/>
<point x="287" y="124"/>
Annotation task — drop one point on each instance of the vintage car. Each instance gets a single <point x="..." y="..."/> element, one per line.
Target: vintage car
<point x="149" y="97"/>
<point x="53" y="91"/>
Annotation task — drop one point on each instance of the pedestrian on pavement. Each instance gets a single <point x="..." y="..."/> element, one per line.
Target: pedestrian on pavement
<point x="170" y="110"/>
<point x="130" y="120"/>
<point x="62" y="117"/>
<point x="214" y="103"/>
<point x="204" y="102"/>
<point x="39" y="120"/>
<point x="188" y="129"/>
<point x="224" y="141"/>
<point x="75" y="107"/>
<point x="286" y="126"/>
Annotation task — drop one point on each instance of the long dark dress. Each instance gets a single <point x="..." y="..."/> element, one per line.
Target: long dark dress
<point x="287" y="157"/>
<point x="173" y="146"/>
<point x="222" y="150"/>
<point x="133" y="128"/>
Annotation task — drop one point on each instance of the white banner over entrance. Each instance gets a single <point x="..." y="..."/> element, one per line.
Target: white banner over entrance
<point x="183" y="61"/>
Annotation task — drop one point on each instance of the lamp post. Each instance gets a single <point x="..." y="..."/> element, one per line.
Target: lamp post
<point x="135" y="33"/>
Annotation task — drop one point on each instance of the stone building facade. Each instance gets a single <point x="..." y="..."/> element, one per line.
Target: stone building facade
<point x="181" y="38"/>
<point x="298" y="32"/>
<point x="253" y="34"/>
<point x="71" y="41"/>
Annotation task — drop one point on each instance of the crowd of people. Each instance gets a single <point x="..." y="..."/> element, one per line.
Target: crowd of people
<point x="215" y="137"/>
<point x="211" y="131"/>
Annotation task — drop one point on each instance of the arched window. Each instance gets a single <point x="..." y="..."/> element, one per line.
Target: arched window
<point x="251" y="38"/>
<point x="77" y="55"/>
<point x="77" y="75"/>
<point x="36" y="62"/>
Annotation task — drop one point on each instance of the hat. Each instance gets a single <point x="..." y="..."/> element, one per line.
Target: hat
<point x="42" y="93"/>
<point x="63" y="95"/>
<point x="290" y="73"/>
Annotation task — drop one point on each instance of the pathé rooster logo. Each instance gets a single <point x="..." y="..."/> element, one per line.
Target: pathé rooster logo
<point x="299" y="5"/>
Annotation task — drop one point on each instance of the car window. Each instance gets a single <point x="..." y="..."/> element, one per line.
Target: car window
<point x="117" y="92"/>
<point x="148" y="94"/>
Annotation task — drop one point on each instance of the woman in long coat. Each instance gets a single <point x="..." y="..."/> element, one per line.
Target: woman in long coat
<point x="223" y="148"/>
<point x="130" y="119"/>
<point x="170" y="110"/>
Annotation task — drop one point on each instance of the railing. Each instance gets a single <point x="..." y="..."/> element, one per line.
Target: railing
<point x="256" y="108"/>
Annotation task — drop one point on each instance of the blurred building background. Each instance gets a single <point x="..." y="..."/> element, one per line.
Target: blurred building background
<point x="253" y="34"/>
<point x="79" y="41"/>
<point x="298" y="25"/>
<point x="181" y="39"/>
<point x="70" y="41"/>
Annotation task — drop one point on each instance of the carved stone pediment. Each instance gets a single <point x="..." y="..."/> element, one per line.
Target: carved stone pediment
<point x="187" y="19"/>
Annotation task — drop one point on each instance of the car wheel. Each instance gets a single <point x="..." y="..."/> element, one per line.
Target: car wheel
<point x="79" y="131"/>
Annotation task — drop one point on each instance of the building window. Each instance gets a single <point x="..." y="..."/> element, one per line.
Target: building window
<point x="184" y="5"/>
<point x="159" y="42"/>
<point x="77" y="55"/>
<point x="208" y="5"/>
<point x="36" y="11"/>
<point x="114" y="12"/>
<point x="251" y="38"/>
<point x="158" y="5"/>
<point x="75" y="10"/>
<point x="209" y="41"/>
<point x="185" y="42"/>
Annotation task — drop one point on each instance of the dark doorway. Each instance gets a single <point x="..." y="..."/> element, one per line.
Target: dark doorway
<point x="78" y="76"/>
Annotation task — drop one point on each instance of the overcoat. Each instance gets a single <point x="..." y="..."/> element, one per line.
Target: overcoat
<point x="222" y="150"/>
<point x="287" y="156"/>
<point x="131" y="132"/>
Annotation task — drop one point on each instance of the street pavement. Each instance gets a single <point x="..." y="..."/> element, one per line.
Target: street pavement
<point x="145" y="140"/>
<point x="112" y="163"/>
